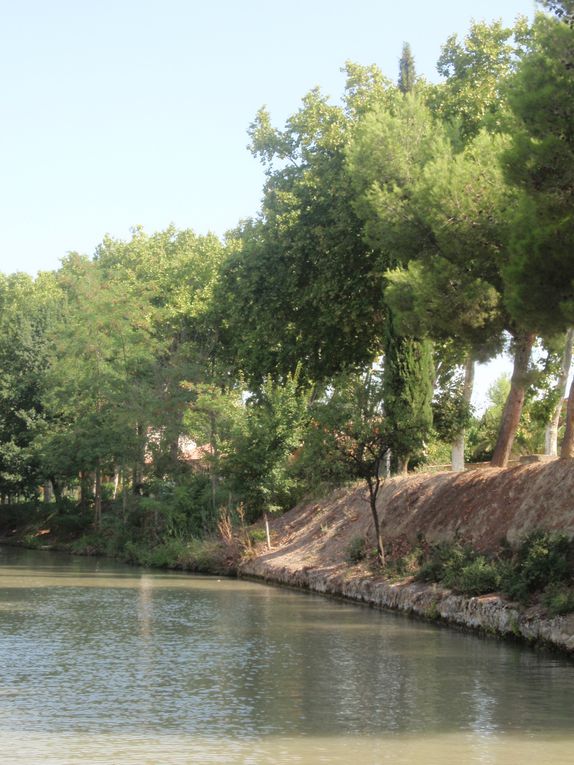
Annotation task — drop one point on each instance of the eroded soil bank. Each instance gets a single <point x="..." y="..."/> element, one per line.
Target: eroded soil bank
<point x="480" y="507"/>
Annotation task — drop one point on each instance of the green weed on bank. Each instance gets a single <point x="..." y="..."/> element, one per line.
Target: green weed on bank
<point x="541" y="568"/>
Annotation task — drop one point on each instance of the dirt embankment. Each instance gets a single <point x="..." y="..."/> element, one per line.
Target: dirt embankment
<point x="480" y="507"/>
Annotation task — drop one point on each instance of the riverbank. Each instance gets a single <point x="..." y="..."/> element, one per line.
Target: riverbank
<point x="487" y="509"/>
<point x="490" y="614"/>
<point x="327" y="546"/>
<point x="66" y="529"/>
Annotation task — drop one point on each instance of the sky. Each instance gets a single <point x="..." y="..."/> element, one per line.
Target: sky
<point x="119" y="113"/>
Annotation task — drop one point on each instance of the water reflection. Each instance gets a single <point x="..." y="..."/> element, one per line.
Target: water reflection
<point x="132" y="666"/>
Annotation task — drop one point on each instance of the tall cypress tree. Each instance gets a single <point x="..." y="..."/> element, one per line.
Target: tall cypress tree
<point x="407" y="72"/>
<point x="408" y="376"/>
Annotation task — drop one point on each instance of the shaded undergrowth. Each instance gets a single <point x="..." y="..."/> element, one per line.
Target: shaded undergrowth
<point x="540" y="571"/>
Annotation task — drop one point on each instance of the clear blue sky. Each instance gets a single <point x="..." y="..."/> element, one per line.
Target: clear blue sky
<point x="124" y="112"/>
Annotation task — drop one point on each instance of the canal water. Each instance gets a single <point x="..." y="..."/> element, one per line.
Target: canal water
<point x="105" y="663"/>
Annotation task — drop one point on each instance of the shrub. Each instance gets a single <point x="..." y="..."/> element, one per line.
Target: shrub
<point x="356" y="550"/>
<point x="92" y="543"/>
<point x="258" y="535"/>
<point x="558" y="599"/>
<point x="477" y="577"/>
<point x="70" y="521"/>
<point x="444" y="563"/>
<point x="542" y="560"/>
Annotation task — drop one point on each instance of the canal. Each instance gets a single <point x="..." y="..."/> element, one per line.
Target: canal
<point x="105" y="663"/>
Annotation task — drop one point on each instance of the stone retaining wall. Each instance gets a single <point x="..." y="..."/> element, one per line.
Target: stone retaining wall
<point x="489" y="613"/>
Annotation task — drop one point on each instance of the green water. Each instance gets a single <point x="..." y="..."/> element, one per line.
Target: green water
<point x="104" y="663"/>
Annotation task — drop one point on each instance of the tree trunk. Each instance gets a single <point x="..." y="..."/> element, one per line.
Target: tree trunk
<point x="98" y="497"/>
<point x="213" y="466"/>
<point x="458" y="443"/>
<point x="567" y="450"/>
<point x="388" y="464"/>
<point x="124" y="495"/>
<point x="57" y="489"/>
<point x="47" y="492"/>
<point x="551" y="434"/>
<point x="116" y="482"/>
<point x="138" y="468"/>
<point x="84" y="490"/>
<point x="513" y="408"/>
<point x="267" y="532"/>
<point x="373" y="491"/>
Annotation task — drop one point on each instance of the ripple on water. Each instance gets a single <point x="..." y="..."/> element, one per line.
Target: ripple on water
<point x="174" y="668"/>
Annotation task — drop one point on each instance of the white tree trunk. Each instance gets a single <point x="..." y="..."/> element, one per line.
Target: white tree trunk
<point x="551" y="434"/>
<point x="116" y="482"/>
<point x="458" y="443"/>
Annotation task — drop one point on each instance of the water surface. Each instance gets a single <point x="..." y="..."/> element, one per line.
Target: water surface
<point x="104" y="663"/>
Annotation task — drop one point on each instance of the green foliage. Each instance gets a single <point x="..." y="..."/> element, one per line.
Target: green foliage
<point x="258" y="535"/>
<point x="540" y="162"/>
<point x="559" y="599"/>
<point x="407" y="72"/>
<point x="477" y="577"/>
<point x="484" y="431"/>
<point x="257" y="462"/>
<point x="27" y="312"/>
<point x="563" y="9"/>
<point x="93" y="543"/>
<point x="475" y="70"/>
<point x="356" y="551"/>
<point x="541" y="564"/>
<point x="461" y="569"/>
<point x="543" y="559"/>
<point x="443" y="559"/>
<point x="451" y="412"/>
<point x="349" y="428"/>
<point x="301" y="287"/>
<point x="202" y="556"/>
<point x="407" y="393"/>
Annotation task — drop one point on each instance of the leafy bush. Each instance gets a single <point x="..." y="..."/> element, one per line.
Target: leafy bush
<point x="70" y="521"/>
<point x="461" y="569"/>
<point x="356" y="550"/>
<point x="477" y="577"/>
<point x="18" y="515"/>
<point x="445" y="561"/>
<point x="91" y="543"/>
<point x="541" y="563"/>
<point x="541" y="560"/>
<point x="258" y="535"/>
<point x="203" y="556"/>
<point x="558" y="599"/>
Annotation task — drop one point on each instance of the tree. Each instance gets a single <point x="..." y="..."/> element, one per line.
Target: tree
<point x="387" y="161"/>
<point x="475" y="70"/>
<point x="407" y="72"/>
<point x="563" y="9"/>
<point x="175" y="273"/>
<point x="350" y="428"/>
<point x="470" y="208"/>
<point x="27" y="311"/>
<point x="99" y="376"/>
<point x="540" y="162"/>
<point x="387" y="154"/>
<point x="408" y="373"/>
<point x="256" y="460"/>
<point x="559" y="390"/>
<point x="302" y="286"/>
